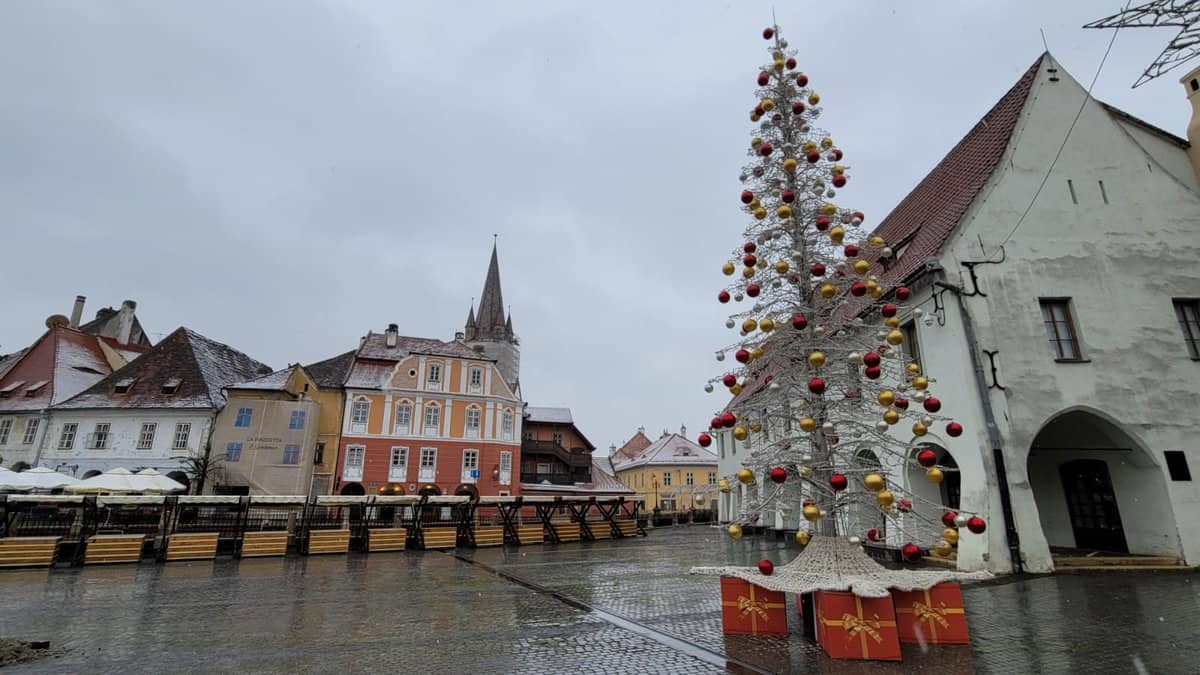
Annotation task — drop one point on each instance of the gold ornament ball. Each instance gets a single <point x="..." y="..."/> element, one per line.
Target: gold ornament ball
<point x="913" y="368"/>
<point x="766" y="325"/>
<point x="828" y="209"/>
<point x="805" y="471"/>
<point x="803" y="537"/>
<point x="891" y="416"/>
<point x="826" y="143"/>
<point x="755" y="426"/>
<point x="754" y="116"/>
<point x="723" y="484"/>
<point x="728" y="269"/>
<point x="760" y="213"/>
<point x="768" y="104"/>
<point x="782" y="267"/>
<point x="812" y="513"/>
<point x="779" y="64"/>
<point x="828" y="291"/>
<point x="921" y="383"/>
<point x="873" y="482"/>
<point x="700" y="499"/>
<point x="756" y="353"/>
<point x="886" y="397"/>
<point x="876" y="292"/>
<point x="816" y="359"/>
<point x="755" y="142"/>
<point x="919" y="429"/>
<point x="749" y="325"/>
<point x="740" y="433"/>
<point x="761" y="263"/>
<point x="814" y="98"/>
<point x="836" y="234"/>
<point x="747" y="272"/>
<point x="891" y="321"/>
<point x="861" y="266"/>
<point x="934" y="475"/>
<point x="950" y="535"/>
<point x="735" y="389"/>
<point x="745" y="476"/>
<point x="895" y="337"/>
<point x="754" y="204"/>
<point x="808" y="424"/>
<point x="872" y="285"/>
<point x="809" y="146"/>
<point x="885" y="499"/>
<point x="838" y="169"/>
<point x="789" y="165"/>
<point x="734" y="531"/>
<point x="942" y="548"/>
<point x="784" y="211"/>
<point x="875" y="241"/>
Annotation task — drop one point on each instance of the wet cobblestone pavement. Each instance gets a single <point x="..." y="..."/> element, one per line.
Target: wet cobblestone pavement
<point x="527" y="610"/>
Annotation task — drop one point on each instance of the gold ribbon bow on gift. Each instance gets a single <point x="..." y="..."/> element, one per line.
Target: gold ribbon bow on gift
<point x="937" y="615"/>
<point x="854" y="625"/>
<point x="747" y="605"/>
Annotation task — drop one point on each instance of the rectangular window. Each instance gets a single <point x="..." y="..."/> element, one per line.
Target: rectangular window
<point x="398" y="467"/>
<point x="354" y="462"/>
<point x="545" y="467"/>
<point x="66" y="440"/>
<point x="688" y="479"/>
<point x="473" y="417"/>
<point x="233" y="452"/>
<point x="505" y="461"/>
<point x="528" y="435"/>
<point x="291" y="454"/>
<point x="146" y="436"/>
<point x="434" y="378"/>
<point x="358" y="414"/>
<point x="403" y="424"/>
<point x="558" y="438"/>
<point x="433" y="419"/>
<point x="319" y="454"/>
<point x="1187" y="310"/>
<point x="31" y="429"/>
<point x="428" y="471"/>
<point x="297" y="419"/>
<point x="243" y="417"/>
<point x="99" y="440"/>
<point x="5" y="430"/>
<point x="183" y="431"/>
<point x="506" y="425"/>
<point x="475" y="381"/>
<point x="912" y="346"/>
<point x="1177" y="465"/>
<point x="666" y="478"/>
<point x="712" y="478"/>
<point x="1060" y="328"/>
<point x="470" y="465"/>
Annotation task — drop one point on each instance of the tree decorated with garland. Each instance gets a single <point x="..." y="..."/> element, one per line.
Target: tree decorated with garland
<point x="821" y="370"/>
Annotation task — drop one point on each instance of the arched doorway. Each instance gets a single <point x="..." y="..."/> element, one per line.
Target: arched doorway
<point x="429" y="491"/>
<point x="181" y="478"/>
<point x="863" y="513"/>
<point x="931" y="500"/>
<point x="353" y="489"/>
<point x="1098" y="489"/>
<point x="467" y="490"/>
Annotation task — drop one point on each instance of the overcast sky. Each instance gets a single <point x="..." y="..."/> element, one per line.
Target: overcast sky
<point x="285" y="176"/>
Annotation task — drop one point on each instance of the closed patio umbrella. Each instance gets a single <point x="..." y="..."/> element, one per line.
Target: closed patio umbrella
<point x="159" y="482"/>
<point x="113" y="480"/>
<point x="41" y="478"/>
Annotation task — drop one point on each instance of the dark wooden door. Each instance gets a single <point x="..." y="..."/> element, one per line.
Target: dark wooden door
<point x="1092" y="506"/>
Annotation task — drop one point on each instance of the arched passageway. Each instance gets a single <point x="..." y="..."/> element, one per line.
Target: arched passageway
<point x="931" y="500"/>
<point x="353" y="489"/>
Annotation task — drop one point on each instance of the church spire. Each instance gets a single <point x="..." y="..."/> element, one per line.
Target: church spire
<point x="490" y="321"/>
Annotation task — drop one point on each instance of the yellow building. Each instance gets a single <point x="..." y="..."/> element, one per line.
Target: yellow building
<point x="674" y="473"/>
<point x="329" y="376"/>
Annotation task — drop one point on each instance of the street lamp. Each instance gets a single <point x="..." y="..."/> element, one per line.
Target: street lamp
<point x="654" y="480"/>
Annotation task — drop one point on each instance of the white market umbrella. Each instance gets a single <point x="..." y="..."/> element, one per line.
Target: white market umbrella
<point x="113" y="480"/>
<point x="41" y="478"/>
<point x="159" y="482"/>
<point x="10" y="481"/>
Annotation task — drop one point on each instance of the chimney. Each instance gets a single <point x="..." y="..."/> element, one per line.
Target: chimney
<point x="125" y="321"/>
<point x="459" y="336"/>
<point x="77" y="311"/>
<point x="683" y="430"/>
<point x="641" y="430"/>
<point x="612" y="449"/>
<point x="390" y="337"/>
<point x="1191" y="84"/>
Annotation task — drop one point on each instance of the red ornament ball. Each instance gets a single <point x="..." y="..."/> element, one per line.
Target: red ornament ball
<point x="872" y="372"/>
<point x="768" y="33"/>
<point x="954" y="429"/>
<point x="742" y="356"/>
<point x="976" y="525"/>
<point x="799" y="322"/>
<point x="888" y="310"/>
<point x="763" y="79"/>
<point x="723" y="297"/>
<point x="904" y="506"/>
<point x="874" y="534"/>
<point x="948" y="518"/>
<point x="747" y="196"/>
<point x="704" y="440"/>
<point x="858" y="289"/>
<point x="801" y="80"/>
<point x="788" y="196"/>
<point x="850" y="250"/>
<point x="927" y="458"/>
<point x="911" y="552"/>
<point x="766" y="567"/>
<point x="765" y="149"/>
<point x="902" y="293"/>
<point x="836" y="154"/>
<point x="729" y="380"/>
<point x="797" y="108"/>
<point x="838" y="482"/>
<point x="778" y="474"/>
<point x="901" y="403"/>
<point x="932" y="404"/>
<point x="816" y="385"/>
<point x="768" y="379"/>
<point x="813" y="156"/>
<point x="759" y="110"/>
<point x="749" y="247"/>
<point x="839" y="180"/>
<point x="715" y="423"/>
<point x="822" y="223"/>
<point x="749" y="260"/>
<point x="753" y="290"/>
<point x="871" y="359"/>
<point x="817" y="269"/>
<point x="790" y="63"/>
<point x="728" y="420"/>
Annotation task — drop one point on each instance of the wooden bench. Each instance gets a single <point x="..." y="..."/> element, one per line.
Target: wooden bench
<point x="566" y="530"/>
<point x="264" y="543"/>
<point x="114" y="548"/>
<point x="531" y="534"/>
<point x="627" y="528"/>
<point x="440" y="537"/>
<point x="489" y="535"/>
<point x="387" y="539"/>
<point x="328" y="541"/>
<point x="192" y="546"/>
<point x="28" y="551"/>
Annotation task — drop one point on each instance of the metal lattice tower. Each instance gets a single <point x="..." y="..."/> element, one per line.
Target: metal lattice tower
<point x="1182" y="13"/>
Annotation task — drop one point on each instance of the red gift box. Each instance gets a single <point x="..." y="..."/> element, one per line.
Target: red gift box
<point x="751" y="610"/>
<point x="850" y="627"/>
<point x="933" y="617"/>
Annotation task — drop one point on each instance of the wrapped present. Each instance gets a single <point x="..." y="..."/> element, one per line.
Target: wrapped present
<point x="850" y="627"/>
<point x="933" y="616"/>
<point x="751" y="610"/>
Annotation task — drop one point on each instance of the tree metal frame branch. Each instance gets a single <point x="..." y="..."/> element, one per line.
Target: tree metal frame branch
<point x="1184" y="14"/>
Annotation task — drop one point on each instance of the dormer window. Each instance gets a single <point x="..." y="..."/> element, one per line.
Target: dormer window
<point x="123" y="386"/>
<point x="8" y="390"/>
<point x="172" y="385"/>
<point x="35" y="387"/>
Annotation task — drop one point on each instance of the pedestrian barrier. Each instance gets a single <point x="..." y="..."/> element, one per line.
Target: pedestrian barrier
<point x="40" y="530"/>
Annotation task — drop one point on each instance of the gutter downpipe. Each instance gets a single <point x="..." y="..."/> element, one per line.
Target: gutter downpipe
<point x="1012" y="539"/>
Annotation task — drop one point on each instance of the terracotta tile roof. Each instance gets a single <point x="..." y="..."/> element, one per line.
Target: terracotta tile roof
<point x="632" y="447"/>
<point x="331" y="373"/>
<point x="62" y="363"/>
<point x="374" y="346"/>
<point x="925" y="219"/>
<point x="9" y="360"/>
<point x="184" y="370"/>
<point x="671" y="450"/>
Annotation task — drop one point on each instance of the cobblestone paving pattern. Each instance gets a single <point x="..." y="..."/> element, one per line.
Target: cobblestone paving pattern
<point x="429" y="612"/>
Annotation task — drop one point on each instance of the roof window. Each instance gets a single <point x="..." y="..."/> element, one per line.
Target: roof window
<point x="171" y="386"/>
<point x="8" y="390"/>
<point x="123" y="385"/>
<point x="33" y="388"/>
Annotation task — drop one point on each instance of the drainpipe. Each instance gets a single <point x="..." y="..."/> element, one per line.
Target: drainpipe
<point x="993" y="431"/>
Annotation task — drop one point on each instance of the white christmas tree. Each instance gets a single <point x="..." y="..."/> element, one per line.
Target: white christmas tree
<point x="822" y="372"/>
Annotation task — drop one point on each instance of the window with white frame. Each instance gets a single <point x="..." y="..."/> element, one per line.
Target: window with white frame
<point x="475" y="380"/>
<point x="360" y="410"/>
<point x="403" y="423"/>
<point x="5" y="430"/>
<point x="31" y="428"/>
<point x="243" y="417"/>
<point x="712" y="478"/>
<point x="146" y="436"/>
<point x="291" y="454"/>
<point x="470" y="465"/>
<point x="505" y="467"/>
<point x="687" y="478"/>
<point x="66" y="440"/>
<point x="428" y="470"/>
<point x="99" y="439"/>
<point x="474" y="415"/>
<point x="183" y="432"/>
<point x="558" y="438"/>
<point x="398" y="467"/>
<point x="433" y="379"/>
<point x="433" y="419"/>
<point x="354" y="462"/>
<point x="233" y="452"/>
<point x="506" y="425"/>
<point x="297" y="419"/>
